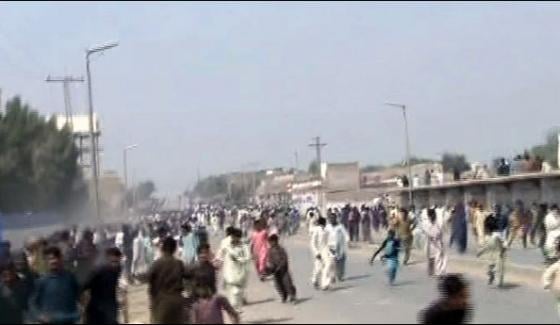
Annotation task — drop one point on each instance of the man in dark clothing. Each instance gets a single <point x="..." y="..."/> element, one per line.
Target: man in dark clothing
<point x="539" y="229"/>
<point x="453" y="307"/>
<point x="128" y="238"/>
<point x="427" y="178"/>
<point x="86" y="255"/>
<point x="166" y="286"/>
<point x="55" y="300"/>
<point x="13" y="298"/>
<point x="102" y="285"/>
<point x="27" y="277"/>
<point x="278" y="266"/>
<point x="354" y="224"/>
<point x="203" y="272"/>
<point x="345" y="216"/>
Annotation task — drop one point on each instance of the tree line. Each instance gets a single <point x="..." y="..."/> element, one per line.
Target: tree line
<point x="38" y="162"/>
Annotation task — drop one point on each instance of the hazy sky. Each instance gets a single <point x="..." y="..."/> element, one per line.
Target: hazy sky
<point x="225" y="84"/>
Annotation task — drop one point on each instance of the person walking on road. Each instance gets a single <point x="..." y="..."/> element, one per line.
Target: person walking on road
<point x="435" y="250"/>
<point x="552" y="226"/>
<point x="495" y="249"/>
<point x="165" y="286"/>
<point x="539" y="230"/>
<point x="209" y="307"/>
<point x="189" y="244"/>
<point x="391" y="245"/>
<point x="366" y="224"/>
<point x="13" y="295"/>
<point x="459" y="231"/>
<point x="338" y="240"/>
<point x="140" y="263"/>
<point x="405" y="226"/>
<point x="86" y="255"/>
<point x="56" y="296"/>
<point x="520" y="220"/>
<point x="319" y="250"/>
<point x="354" y="224"/>
<point x="551" y="279"/>
<point x="259" y="246"/>
<point x="236" y="259"/>
<point x="278" y="266"/>
<point x="103" y="305"/>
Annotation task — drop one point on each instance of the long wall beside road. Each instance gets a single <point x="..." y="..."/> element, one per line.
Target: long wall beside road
<point x="529" y="188"/>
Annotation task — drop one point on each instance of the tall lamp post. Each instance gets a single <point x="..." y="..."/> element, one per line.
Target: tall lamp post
<point x="92" y="130"/>
<point x="407" y="136"/>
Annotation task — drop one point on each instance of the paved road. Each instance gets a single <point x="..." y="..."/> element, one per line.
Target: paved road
<point x="366" y="298"/>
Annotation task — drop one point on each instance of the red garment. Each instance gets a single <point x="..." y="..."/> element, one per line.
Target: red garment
<point x="259" y="240"/>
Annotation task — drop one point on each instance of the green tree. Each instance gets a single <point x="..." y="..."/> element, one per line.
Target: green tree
<point x="38" y="162"/>
<point x="212" y="186"/>
<point x="144" y="190"/>
<point x="549" y="150"/>
<point x="314" y="168"/>
<point x="141" y="192"/>
<point x="454" y="161"/>
<point x="415" y="161"/>
<point x="372" y="168"/>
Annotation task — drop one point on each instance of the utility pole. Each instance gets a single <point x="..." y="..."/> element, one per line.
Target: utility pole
<point x="407" y="145"/>
<point x="92" y="129"/>
<point x="318" y="146"/>
<point x="297" y="161"/>
<point x="66" y="81"/>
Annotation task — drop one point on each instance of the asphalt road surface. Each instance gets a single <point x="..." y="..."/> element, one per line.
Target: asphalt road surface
<point x="365" y="297"/>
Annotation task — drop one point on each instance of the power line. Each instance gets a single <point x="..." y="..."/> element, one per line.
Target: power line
<point x="66" y="81"/>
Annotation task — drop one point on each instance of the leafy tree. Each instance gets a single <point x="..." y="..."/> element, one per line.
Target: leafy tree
<point x="143" y="192"/>
<point x="314" y="168"/>
<point x="212" y="186"/>
<point x="414" y="161"/>
<point x="549" y="150"/>
<point x="372" y="168"/>
<point x="38" y="162"/>
<point x="454" y="162"/>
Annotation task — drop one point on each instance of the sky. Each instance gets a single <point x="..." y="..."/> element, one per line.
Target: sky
<point x="222" y="86"/>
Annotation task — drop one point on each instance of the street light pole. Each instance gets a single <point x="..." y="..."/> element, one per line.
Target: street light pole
<point x="407" y="139"/>
<point x="92" y="131"/>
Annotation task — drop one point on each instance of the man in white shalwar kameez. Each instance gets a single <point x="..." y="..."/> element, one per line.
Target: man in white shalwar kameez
<point x="140" y="263"/>
<point x="319" y="250"/>
<point x="435" y="249"/>
<point x="237" y="259"/>
<point x="338" y="247"/>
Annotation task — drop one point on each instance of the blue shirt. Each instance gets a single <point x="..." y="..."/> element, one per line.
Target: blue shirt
<point x="56" y="296"/>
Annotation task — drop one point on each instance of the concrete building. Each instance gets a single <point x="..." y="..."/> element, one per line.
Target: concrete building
<point x="275" y="188"/>
<point x="79" y="125"/>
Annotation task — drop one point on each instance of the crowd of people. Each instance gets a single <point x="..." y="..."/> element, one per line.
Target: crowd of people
<point x="83" y="275"/>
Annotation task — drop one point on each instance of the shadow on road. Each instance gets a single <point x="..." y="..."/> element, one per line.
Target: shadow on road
<point x="302" y="300"/>
<point x="341" y="288"/>
<point x="403" y="283"/>
<point x="508" y="286"/>
<point x="271" y="320"/>
<point x="260" y="302"/>
<point x="358" y="277"/>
